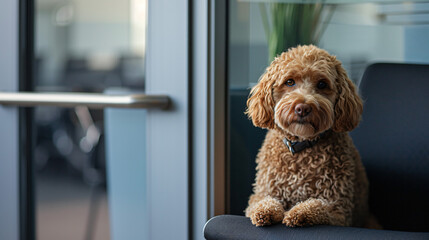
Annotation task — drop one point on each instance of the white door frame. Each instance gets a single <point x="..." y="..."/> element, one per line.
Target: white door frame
<point x="168" y="138"/>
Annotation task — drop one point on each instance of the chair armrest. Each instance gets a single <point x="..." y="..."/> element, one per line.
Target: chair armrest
<point x="229" y="227"/>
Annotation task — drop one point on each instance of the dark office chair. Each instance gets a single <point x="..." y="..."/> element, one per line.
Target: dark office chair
<point x="393" y="140"/>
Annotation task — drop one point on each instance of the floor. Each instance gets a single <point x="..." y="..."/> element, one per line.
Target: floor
<point x="63" y="207"/>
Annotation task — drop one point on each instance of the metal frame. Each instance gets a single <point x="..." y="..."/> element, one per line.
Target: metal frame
<point x="9" y="170"/>
<point x="201" y="120"/>
<point x="168" y="133"/>
<point x="218" y="107"/>
<point x="26" y="124"/>
<point x="209" y="112"/>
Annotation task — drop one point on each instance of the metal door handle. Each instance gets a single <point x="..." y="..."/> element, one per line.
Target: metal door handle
<point x="90" y="100"/>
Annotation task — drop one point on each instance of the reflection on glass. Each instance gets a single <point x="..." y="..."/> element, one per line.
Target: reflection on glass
<point x="357" y="33"/>
<point x="289" y="24"/>
<point x="84" y="46"/>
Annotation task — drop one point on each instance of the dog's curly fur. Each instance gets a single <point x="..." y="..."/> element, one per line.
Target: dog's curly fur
<point x="324" y="184"/>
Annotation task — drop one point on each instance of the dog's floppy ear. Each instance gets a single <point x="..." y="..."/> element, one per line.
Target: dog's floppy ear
<point x="260" y="105"/>
<point x="348" y="108"/>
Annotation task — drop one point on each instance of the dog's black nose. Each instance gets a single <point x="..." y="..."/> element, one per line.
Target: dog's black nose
<point x="302" y="109"/>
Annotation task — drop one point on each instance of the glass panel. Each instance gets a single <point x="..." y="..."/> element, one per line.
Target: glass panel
<point x="84" y="46"/>
<point x="358" y="33"/>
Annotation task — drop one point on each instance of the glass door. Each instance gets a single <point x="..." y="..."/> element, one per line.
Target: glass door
<point x="81" y="47"/>
<point x="74" y="165"/>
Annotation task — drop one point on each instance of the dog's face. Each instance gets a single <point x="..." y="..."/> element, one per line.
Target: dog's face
<point x="305" y="92"/>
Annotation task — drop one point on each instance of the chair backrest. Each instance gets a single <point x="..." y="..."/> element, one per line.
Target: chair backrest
<point x="393" y="141"/>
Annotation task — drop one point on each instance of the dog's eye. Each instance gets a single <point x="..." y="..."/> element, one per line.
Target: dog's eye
<point x="322" y="84"/>
<point x="290" y="83"/>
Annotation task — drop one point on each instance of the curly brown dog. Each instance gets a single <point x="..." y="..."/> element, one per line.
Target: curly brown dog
<point x="308" y="170"/>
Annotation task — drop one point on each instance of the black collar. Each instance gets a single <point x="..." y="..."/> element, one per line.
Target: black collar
<point x="295" y="147"/>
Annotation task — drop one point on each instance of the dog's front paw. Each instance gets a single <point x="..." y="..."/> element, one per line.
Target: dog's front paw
<point x="267" y="212"/>
<point x="265" y="217"/>
<point x="297" y="219"/>
<point x="307" y="213"/>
